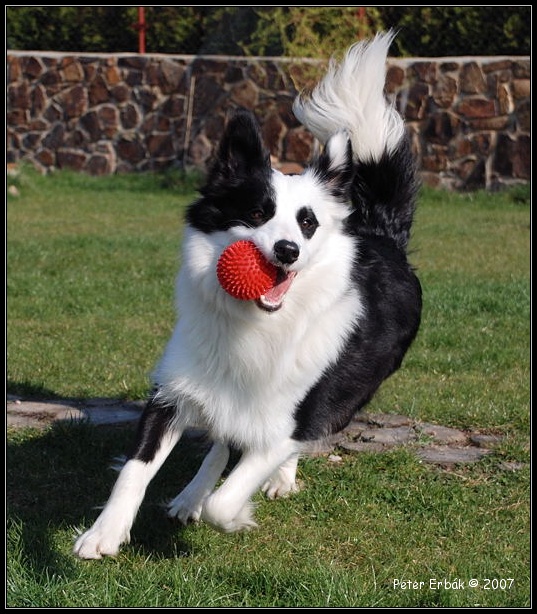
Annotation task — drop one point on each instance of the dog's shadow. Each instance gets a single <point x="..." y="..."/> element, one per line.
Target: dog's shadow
<point x="56" y="478"/>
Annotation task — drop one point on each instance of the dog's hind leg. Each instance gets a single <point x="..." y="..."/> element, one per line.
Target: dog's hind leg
<point x="283" y="481"/>
<point x="157" y="435"/>
<point x="188" y="503"/>
<point x="229" y="508"/>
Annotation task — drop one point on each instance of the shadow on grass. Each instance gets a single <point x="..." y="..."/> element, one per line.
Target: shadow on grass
<point x="56" y="478"/>
<point x="30" y="390"/>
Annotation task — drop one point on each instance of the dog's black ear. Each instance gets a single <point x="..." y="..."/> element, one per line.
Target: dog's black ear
<point x="334" y="166"/>
<point x="241" y="150"/>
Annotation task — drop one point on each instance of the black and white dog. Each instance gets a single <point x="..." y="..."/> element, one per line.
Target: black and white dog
<point x="267" y="375"/>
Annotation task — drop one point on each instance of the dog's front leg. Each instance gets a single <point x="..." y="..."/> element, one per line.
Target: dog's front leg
<point x="188" y="503"/>
<point x="157" y="435"/>
<point x="229" y="508"/>
<point x="283" y="481"/>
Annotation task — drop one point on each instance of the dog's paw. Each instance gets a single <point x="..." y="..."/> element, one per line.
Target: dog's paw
<point x="184" y="508"/>
<point x="243" y="521"/>
<point x="99" y="542"/>
<point x="279" y="485"/>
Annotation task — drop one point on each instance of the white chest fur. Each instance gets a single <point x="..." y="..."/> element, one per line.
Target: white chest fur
<point x="245" y="370"/>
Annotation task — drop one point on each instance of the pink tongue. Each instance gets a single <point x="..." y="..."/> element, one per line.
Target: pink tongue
<point x="277" y="292"/>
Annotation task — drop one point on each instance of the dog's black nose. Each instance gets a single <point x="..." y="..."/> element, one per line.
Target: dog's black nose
<point x="286" y="251"/>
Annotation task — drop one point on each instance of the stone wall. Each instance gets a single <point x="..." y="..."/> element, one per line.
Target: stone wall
<point x="469" y="117"/>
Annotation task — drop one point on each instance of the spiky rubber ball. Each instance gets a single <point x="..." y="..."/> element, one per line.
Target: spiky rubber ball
<point x="243" y="271"/>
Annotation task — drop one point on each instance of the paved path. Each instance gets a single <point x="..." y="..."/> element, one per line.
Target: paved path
<point x="433" y="443"/>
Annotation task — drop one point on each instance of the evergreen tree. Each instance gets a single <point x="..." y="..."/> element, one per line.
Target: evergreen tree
<point x="295" y="31"/>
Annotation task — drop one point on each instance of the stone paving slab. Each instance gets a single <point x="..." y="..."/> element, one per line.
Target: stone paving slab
<point x="432" y="443"/>
<point x="442" y="434"/>
<point x="40" y="414"/>
<point x="446" y="455"/>
<point x="389" y="436"/>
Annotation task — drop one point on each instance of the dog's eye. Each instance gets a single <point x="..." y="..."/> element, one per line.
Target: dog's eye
<point x="257" y="215"/>
<point x="307" y="222"/>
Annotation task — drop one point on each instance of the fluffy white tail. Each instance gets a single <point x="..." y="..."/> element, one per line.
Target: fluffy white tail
<point x="351" y="97"/>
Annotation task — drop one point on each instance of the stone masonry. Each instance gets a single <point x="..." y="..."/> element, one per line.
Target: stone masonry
<point x="469" y="117"/>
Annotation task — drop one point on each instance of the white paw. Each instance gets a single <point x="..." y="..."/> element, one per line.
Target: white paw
<point x="100" y="541"/>
<point x="184" y="508"/>
<point x="278" y="486"/>
<point x="222" y="521"/>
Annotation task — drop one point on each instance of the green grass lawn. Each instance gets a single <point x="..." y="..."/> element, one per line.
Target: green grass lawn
<point x="90" y="270"/>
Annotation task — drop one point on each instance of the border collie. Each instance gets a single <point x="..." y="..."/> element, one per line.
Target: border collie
<point x="267" y="376"/>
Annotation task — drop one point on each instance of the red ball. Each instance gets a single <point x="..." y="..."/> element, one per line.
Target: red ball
<point x="243" y="271"/>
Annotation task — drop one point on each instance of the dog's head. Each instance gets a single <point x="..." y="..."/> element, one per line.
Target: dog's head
<point x="290" y="218"/>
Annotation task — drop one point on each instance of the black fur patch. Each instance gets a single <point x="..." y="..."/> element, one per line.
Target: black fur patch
<point x="154" y="423"/>
<point x="238" y="190"/>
